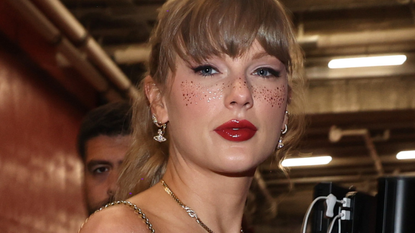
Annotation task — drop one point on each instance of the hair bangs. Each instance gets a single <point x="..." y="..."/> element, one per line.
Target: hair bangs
<point x="230" y="27"/>
<point x="198" y="29"/>
<point x="215" y="28"/>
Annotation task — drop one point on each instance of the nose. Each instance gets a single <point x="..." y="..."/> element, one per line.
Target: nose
<point x="239" y="94"/>
<point x="112" y="184"/>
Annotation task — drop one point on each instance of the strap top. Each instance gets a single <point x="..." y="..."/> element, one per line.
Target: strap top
<point x="132" y="206"/>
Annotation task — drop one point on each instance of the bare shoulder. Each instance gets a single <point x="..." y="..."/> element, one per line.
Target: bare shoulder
<point x="118" y="218"/>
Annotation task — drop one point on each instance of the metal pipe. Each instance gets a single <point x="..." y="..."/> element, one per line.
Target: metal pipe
<point x="62" y="18"/>
<point x="53" y="35"/>
<point x="336" y="134"/>
<point x="78" y="35"/>
<point x="373" y="153"/>
<point x="358" y="38"/>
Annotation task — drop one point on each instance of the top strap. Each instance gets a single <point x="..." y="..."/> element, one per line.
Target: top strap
<point x="132" y="206"/>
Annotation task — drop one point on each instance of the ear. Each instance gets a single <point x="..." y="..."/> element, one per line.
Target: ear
<point x="285" y="120"/>
<point x="156" y="99"/>
<point x="286" y="114"/>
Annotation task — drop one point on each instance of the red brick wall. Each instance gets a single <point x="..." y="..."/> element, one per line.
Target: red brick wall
<point x="40" y="172"/>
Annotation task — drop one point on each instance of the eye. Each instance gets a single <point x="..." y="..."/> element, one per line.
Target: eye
<point x="205" y="70"/>
<point x="100" y="170"/>
<point x="267" y="72"/>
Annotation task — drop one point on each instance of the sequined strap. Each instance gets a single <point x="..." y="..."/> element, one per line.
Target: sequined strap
<point x="132" y="206"/>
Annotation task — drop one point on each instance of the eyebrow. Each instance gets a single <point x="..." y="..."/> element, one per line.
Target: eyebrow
<point x="95" y="162"/>
<point x="92" y="163"/>
<point x="260" y="55"/>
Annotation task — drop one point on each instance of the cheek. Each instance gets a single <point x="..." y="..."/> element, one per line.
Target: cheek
<point x="194" y="93"/>
<point x="274" y="97"/>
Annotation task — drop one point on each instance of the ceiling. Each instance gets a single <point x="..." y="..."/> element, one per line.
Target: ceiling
<point x="371" y="110"/>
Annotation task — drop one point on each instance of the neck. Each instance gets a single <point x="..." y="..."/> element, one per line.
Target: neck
<point x="217" y="199"/>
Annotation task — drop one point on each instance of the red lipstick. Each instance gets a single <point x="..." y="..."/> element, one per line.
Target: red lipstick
<point x="237" y="130"/>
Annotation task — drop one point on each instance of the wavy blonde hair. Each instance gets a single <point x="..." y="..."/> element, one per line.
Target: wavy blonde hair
<point x="197" y="30"/>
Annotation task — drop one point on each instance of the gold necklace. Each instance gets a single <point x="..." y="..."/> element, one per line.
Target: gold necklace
<point x="189" y="210"/>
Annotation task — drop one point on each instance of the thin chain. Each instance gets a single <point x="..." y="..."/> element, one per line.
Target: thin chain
<point x="129" y="204"/>
<point x="189" y="210"/>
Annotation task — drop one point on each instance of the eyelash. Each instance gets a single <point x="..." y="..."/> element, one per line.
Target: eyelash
<point x="96" y="171"/>
<point x="202" y="68"/>
<point x="272" y="72"/>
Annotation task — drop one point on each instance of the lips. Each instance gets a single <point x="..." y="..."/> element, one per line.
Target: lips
<point x="237" y="130"/>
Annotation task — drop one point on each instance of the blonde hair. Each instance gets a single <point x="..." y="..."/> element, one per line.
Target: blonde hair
<point x="196" y="30"/>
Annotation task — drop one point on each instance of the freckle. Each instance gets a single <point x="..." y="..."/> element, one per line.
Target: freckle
<point x="186" y="104"/>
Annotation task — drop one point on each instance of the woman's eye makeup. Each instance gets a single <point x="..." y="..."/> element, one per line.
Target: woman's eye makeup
<point x="205" y="70"/>
<point x="267" y="72"/>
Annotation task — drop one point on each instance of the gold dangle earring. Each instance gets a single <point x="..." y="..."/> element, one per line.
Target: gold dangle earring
<point x="283" y="132"/>
<point x="162" y="129"/>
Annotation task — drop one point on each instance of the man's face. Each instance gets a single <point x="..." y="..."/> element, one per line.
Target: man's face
<point x="104" y="155"/>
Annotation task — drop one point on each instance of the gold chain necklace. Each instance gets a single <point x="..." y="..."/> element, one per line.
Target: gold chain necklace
<point x="189" y="210"/>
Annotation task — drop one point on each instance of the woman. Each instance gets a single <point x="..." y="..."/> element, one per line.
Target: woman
<point x="214" y="106"/>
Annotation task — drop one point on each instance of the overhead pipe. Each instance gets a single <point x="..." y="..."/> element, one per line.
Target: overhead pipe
<point x="336" y="134"/>
<point x="53" y="36"/>
<point x="79" y="36"/>
<point x="358" y="38"/>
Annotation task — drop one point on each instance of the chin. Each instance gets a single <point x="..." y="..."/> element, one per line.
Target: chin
<point x="238" y="168"/>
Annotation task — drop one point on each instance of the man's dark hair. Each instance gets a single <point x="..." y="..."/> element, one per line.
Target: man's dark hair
<point x="110" y="120"/>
